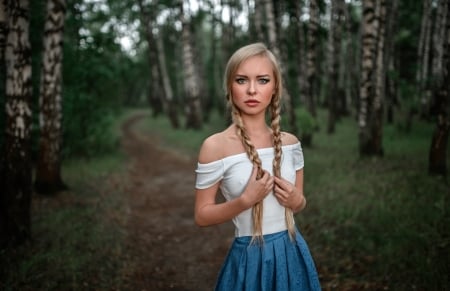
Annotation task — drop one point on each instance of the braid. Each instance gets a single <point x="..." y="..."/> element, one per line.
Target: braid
<point x="257" y="210"/>
<point x="275" y="124"/>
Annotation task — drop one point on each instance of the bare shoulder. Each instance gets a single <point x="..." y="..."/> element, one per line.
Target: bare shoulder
<point x="288" y="138"/>
<point x="211" y="148"/>
<point x="220" y="145"/>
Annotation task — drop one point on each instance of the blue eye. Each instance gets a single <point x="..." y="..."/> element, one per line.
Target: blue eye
<point x="264" y="80"/>
<point x="240" y="80"/>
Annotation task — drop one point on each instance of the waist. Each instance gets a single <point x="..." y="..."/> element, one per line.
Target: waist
<point x="270" y="224"/>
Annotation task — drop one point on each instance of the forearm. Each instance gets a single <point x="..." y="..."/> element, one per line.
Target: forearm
<point x="300" y="205"/>
<point x="217" y="213"/>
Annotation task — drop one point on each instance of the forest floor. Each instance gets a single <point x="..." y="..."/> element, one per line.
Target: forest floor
<point x="165" y="249"/>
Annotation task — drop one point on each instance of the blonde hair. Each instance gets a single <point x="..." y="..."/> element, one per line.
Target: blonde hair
<point x="242" y="54"/>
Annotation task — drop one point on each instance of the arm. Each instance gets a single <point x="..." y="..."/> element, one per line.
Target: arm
<point x="290" y="195"/>
<point x="208" y="212"/>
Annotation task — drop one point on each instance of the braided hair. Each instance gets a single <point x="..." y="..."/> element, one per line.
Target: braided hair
<point x="242" y="54"/>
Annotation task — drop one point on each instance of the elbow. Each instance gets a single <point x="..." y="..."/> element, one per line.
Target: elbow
<point x="200" y="221"/>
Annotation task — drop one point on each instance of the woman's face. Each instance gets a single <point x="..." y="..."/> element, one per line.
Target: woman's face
<point x="253" y="85"/>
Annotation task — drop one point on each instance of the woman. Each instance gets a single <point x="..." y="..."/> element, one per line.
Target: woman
<point x="259" y="171"/>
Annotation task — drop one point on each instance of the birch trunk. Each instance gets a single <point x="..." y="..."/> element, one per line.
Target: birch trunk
<point x="168" y="100"/>
<point x="193" y="106"/>
<point x="311" y="56"/>
<point x="158" y="93"/>
<point x="334" y="92"/>
<point x="48" y="169"/>
<point x="15" y="164"/>
<point x="423" y="55"/>
<point x="391" y="84"/>
<point x="370" y="25"/>
<point x="301" y="59"/>
<point x="380" y="78"/>
<point x="438" y="149"/>
<point x="3" y="29"/>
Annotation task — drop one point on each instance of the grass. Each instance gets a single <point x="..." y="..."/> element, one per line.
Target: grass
<point x="383" y="220"/>
<point x="376" y="223"/>
<point x="373" y="223"/>
<point x="77" y="236"/>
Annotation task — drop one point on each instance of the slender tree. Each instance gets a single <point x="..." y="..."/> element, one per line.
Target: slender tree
<point x="438" y="147"/>
<point x="391" y="82"/>
<point x="273" y="45"/>
<point x="156" y="91"/>
<point x="300" y="45"/>
<point x="369" y="106"/>
<point x="334" y="51"/>
<point x="48" y="170"/>
<point x="15" y="164"/>
<point x="313" y="26"/>
<point x="423" y="55"/>
<point x="3" y="28"/>
<point x="193" y="106"/>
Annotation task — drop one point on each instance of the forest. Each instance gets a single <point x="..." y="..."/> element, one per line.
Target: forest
<point x="99" y="97"/>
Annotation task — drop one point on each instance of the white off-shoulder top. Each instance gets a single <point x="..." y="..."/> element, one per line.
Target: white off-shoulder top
<point x="233" y="173"/>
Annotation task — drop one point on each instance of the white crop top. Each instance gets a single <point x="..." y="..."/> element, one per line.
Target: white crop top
<point x="233" y="173"/>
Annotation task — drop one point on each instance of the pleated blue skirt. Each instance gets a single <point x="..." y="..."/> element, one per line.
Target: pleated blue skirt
<point x="276" y="264"/>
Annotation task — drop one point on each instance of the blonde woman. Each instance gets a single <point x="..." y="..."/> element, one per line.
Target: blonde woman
<point x="259" y="171"/>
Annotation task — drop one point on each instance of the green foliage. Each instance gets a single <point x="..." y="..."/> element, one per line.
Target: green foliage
<point x="306" y="121"/>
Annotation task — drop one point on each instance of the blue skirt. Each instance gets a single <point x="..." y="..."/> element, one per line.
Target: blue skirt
<point x="276" y="264"/>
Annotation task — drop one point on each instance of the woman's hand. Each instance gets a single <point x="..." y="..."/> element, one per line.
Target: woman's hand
<point x="257" y="189"/>
<point x="288" y="195"/>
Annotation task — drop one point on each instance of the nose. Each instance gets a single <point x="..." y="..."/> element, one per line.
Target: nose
<point x="251" y="88"/>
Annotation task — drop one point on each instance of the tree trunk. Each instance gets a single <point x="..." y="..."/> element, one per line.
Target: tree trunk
<point x="301" y="54"/>
<point x="160" y="93"/>
<point x="168" y="92"/>
<point x="48" y="170"/>
<point x="423" y="56"/>
<point x="378" y="100"/>
<point x="438" y="148"/>
<point x="259" y="23"/>
<point x="3" y="30"/>
<point x="369" y="144"/>
<point x="3" y="35"/>
<point x="391" y="83"/>
<point x="191" y="84"/>
<point x="334" y="56"/>
<point x="273" y="45"/>
<point x="15" y="166"/>
<point x="311" y="56"/>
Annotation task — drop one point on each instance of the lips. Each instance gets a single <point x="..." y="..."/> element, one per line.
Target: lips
<point x="252" y="102"/>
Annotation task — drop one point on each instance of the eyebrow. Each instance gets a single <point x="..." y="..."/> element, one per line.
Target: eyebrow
<point x="258" y="76"/>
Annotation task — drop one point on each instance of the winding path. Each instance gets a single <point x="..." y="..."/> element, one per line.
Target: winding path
<point x="165" y="249"/>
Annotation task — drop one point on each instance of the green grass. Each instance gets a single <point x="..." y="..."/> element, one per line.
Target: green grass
<point x="370" y="223"/>
<point x="380" y="222"/>
<point x="378" y="219"/>
<point x="77" y="235"/>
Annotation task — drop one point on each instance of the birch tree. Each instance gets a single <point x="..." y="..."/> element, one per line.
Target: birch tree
<point x="334" y="52"/>
<point x="311" y="56"/>
<point x="15" y="164"/>
<point x="193" y="106"/>
<point x="48" y="170"/>
<point x="438" y="149"/>
<point x="369" y="139"/>
<point x="273" y="45"/>
<point x="160" y="87"/>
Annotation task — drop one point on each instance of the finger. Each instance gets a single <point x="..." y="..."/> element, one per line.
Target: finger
<point x="254" y="172"/>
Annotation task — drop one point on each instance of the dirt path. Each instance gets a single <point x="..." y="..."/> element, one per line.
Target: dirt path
<point x="166" y="250"/>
